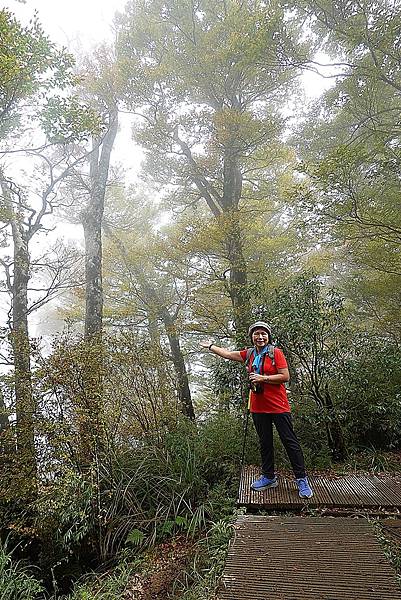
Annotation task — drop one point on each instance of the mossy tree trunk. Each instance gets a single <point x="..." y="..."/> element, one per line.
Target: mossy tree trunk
<point x="24" y="399"/>
<point x="92" y="216"/>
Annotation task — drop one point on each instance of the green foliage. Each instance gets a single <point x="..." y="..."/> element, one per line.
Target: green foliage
<point x="141" y="492"/>
<point x="209" y="560"/>
<point x="227" y="379"/>
<point x="174" y="525"/>
<point x="310" y="424"/>
<point x="30" y="62"/>
<point x="139" y="386"/>
<point x="16" y="580"/>
<point x="391" y="546"/>
<point x="68" y="119"/>
<point x="310" y="320"/>
<point x="350" y="200"/>
<point x="221" y="440"/>
<point x="340" y="376"/>
<point x="33" y="67"/>
<point x="198" y="580"/>
<point x="357" y="191"/>
<point x="311" y="327"/>
<point x="65" y="514"/>
<point x="367" y="390"/>
<point x="135" y="537"/>
<point x="106" y="586"/>
<point x="138" y="395"/>
<point x="372" y="460"/>
<point x="154" y="492"/>
<point x="221" y="500"/>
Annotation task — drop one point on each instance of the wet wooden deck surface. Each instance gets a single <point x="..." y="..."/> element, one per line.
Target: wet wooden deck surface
<point x="306" y="558"/>
<point x="350" y="491"/>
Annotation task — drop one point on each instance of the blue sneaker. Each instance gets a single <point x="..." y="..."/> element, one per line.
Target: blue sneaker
<point x="305" y="491"/>
<point x="263" y="483"/>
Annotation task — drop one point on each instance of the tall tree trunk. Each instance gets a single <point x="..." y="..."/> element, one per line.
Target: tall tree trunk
<point x="232" y="190"/>
<point x="225" y="207"/>
<point x="238" y="284"/>
<point x="184" y="392"/>
<point x="155" y="341"/>
<point x="335" y="435"/>
<point x="92" y="217"/>
<point x="4" y="422"/>
<point x="24" y="401"/>
<point x="93" y="271"/>
<point x="7" y="454"/>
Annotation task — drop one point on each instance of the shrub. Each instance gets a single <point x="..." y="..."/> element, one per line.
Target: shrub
<point x="16" y="581"/>
<point x="368" y="393"/>
<point x="65" y="516"/>
<point x="208" y="564"/>
<point x="107" y="586"/>
<point x="221" y="443"/>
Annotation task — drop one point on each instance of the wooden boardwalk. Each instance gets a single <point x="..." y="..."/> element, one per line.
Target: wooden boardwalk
<point x="311" y="557"/>
<point x="306" y="558"/>
<point x="351" y="491"/>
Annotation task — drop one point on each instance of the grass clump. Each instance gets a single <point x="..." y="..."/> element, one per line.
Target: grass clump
<point x="391" y="545"/>
<point x="107" y="586"/>
<point x="16" y="580"/>
<point x="201" y="579"/>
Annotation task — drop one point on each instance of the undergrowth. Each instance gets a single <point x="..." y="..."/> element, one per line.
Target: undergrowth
<point x="106" y="586"/>
<point x="201" y="578"/>
<point x="17" y="581"/>
<point x="372" y="461"/>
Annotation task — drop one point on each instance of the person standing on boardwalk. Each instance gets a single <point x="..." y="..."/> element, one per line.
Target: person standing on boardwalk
<point x="268" y="372"/>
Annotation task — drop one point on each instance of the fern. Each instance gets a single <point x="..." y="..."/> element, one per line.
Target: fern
<point x="136" y="537"/>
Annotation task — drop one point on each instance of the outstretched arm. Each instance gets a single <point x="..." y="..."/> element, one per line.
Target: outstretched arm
<point x="230" y="354"/>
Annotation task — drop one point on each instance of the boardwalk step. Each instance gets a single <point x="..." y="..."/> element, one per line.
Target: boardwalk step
<point x="350" y="491"/>
<point x="313" y="558"/>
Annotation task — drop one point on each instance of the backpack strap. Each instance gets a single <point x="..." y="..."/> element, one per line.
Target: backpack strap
<point x="249" y="351"/>
<point x="271" y="352"/>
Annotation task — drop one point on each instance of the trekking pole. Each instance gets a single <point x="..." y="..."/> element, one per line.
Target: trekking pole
<point x="245" y="430"/>
<point x="245" y="434"/>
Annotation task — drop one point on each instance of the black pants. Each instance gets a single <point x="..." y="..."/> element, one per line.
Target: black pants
<point x="264" y="427"/>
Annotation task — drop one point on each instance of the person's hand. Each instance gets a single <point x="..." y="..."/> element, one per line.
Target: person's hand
<point x="206" y="343"/>
<point x="256" y="378"/>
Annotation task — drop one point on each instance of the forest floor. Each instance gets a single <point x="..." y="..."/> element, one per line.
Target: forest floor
<point x="165" y="567"/>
